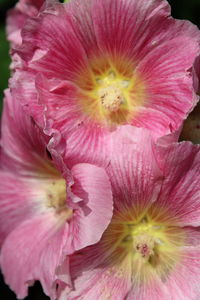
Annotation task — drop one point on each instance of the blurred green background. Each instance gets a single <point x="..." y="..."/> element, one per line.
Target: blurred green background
<point x="182" y="9"/>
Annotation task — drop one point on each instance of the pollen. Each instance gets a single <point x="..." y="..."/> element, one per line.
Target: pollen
<point x="56" y="196"/>
<point x="111" y="90"/>
<point x="111" y="98"/>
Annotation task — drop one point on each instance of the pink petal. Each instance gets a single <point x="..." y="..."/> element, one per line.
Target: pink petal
<point x="184" y="282"/>
<point x="86" y="140"/>
<point x="170" y="90"/>
<point x="135" y="28"/>
<point x="16" y="202"/>
<point x="17" y="17"/>
<point x="133" y="170"/>
<point x="19" y="137"/>
<point x="36" y="255"/>
<point x="155" y="290"/>
<point x="92" y="186"/>
<point x="64" y="55"/>
<point x="180" y="189"/>
<point x="96" y="277"/>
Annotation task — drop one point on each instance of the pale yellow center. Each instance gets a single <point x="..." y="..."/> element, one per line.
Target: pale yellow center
<point x="145" y="239"/>
<point x="112" y="92"/>
<point x="56" y="193"/>
<point x="56" y="196"/>
<point x="111" y="98"/>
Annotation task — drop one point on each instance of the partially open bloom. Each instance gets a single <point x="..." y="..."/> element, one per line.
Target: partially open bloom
<point x="46" y="211"/>
<point x="99" y="64"/>
<point x="151" y="249"/>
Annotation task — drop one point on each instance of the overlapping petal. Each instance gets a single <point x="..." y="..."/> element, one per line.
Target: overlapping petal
<point x="180" y="189"/>
<point x="38" y="207"/>
<point x="17" y="17"/>
<point x="133" y="170"/>
<point x="36" y="255"/>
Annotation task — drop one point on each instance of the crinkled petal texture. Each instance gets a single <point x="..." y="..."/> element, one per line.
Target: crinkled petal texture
<point x="134" y="40"/>
<point x="44" y="217"/>
<point x="17" y="17"/>
<point x="33" y="251"/>
<point x="107" y="270"/>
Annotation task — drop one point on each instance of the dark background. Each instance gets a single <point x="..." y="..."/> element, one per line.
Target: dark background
<point x="181" y="9"/>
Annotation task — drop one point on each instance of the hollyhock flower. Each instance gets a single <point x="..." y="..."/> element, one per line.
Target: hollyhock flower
<point x="101" y="64"/>
<point x="17" y="17"/>
<point x="43" y="215"/>
<point x="151" y="249"/>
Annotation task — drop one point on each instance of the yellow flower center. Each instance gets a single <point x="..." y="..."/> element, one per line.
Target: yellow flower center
<point x="112" y="93"/>
<point x="145" y="239"/>
<point x="51" y="193"/>
<point x="143" y="246"/>
<point x="56" y="194"/>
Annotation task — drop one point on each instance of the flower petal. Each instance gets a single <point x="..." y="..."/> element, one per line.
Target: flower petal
<point x="180" y="190"/>
<point x="61" y="57"/>
<point x="92" y="186"/>
<point x="86" y="141"/>
<point x="184" y="282"/>
<point x="19" y="137"/>
<point x="16" y="202"/>
<point x="135" y="28"/>
<point x="134" y="173"/>
<point x="169" y="83"/>
<point x="17" y="17"/>
<point x="33" y="251"/>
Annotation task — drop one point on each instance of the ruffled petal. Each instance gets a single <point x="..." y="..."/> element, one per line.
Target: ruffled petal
<point x="86" y="140"/>
<point x="62" y="57"/>
<point x="17" y="17"/>
<point x="19" y="137"/>
<point x="33" y="251"/>
<point x="91" y="218"/>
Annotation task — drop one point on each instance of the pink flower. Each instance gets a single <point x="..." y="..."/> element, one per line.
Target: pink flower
<point x="151" y="249"/>
<point x="44" y="215"/>
<point x="17" y="17"/>
<point x="99" y="64"/>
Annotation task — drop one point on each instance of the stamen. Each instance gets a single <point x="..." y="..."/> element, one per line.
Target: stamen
<point x="111" y="98"/>
<point x="144" y="245"/>
<point x="56" y="194"/>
